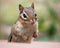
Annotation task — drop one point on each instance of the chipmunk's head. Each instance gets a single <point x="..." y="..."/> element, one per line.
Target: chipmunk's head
<point x="27" y="14"/>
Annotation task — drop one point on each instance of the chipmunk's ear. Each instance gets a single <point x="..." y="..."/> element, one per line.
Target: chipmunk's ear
<point x="32" y="5"/>
<point x="21" y="8"/>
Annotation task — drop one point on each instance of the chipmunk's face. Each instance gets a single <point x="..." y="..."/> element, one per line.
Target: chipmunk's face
<point x="27" y="15"/>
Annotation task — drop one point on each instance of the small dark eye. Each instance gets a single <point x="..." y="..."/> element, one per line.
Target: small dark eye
<point x="35" y="14"/>
<point x="24" y="16"/>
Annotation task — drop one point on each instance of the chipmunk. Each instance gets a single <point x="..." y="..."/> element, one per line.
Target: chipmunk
<point x="26" y="26"/>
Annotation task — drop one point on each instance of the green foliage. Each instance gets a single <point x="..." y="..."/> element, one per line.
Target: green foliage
<point x="51" y="31"/>
<point x="45" y="38"/>
<point x="53" y="14"/>
<point x="40" y="24"/>
<point x="55" y="1"/>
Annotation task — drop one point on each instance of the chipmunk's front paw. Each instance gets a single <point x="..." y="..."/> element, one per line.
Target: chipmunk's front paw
<point x="24" y="38"/>
<point x="35" y="35"/>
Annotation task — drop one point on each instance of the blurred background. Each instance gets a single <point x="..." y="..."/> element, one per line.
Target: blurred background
<point x="48" y="12"/>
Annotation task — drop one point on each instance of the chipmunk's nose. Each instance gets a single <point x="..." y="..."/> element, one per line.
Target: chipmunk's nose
<point x="32" y="21"/>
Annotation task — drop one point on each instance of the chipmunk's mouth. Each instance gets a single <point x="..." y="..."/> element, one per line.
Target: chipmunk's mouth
<point x="32" y="22"/>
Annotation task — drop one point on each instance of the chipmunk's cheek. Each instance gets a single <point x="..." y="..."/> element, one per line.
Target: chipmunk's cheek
<point x="36" y="23"/>
<point x="27" y="22"/>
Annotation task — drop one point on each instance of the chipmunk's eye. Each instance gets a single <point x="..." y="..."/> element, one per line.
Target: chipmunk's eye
<point x="35" y="14"/>
<point x="24" y="16"/>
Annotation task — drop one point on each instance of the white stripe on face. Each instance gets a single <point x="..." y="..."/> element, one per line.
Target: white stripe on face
<point x="23" y="16"/>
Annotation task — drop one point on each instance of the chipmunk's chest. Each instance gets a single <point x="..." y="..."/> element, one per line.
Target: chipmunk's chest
<point x="23" y="29"/>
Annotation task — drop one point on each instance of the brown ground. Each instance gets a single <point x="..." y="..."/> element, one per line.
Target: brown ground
<point x="34" y="44"/>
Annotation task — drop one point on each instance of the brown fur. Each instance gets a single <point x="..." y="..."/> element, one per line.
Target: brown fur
<point x="29" y="30"/>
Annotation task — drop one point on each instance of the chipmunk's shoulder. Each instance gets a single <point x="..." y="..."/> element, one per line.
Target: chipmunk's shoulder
<point x="18" y="23"/>
<point x="18" y="26"/>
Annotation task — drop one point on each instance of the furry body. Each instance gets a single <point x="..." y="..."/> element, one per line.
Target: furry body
<point x="26" y="26"/>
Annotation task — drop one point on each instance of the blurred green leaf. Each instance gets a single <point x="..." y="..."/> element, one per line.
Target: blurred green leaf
<point x="52" y="14"/>
<point x="52" y="29"/>
<point x="40" y="24"/>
